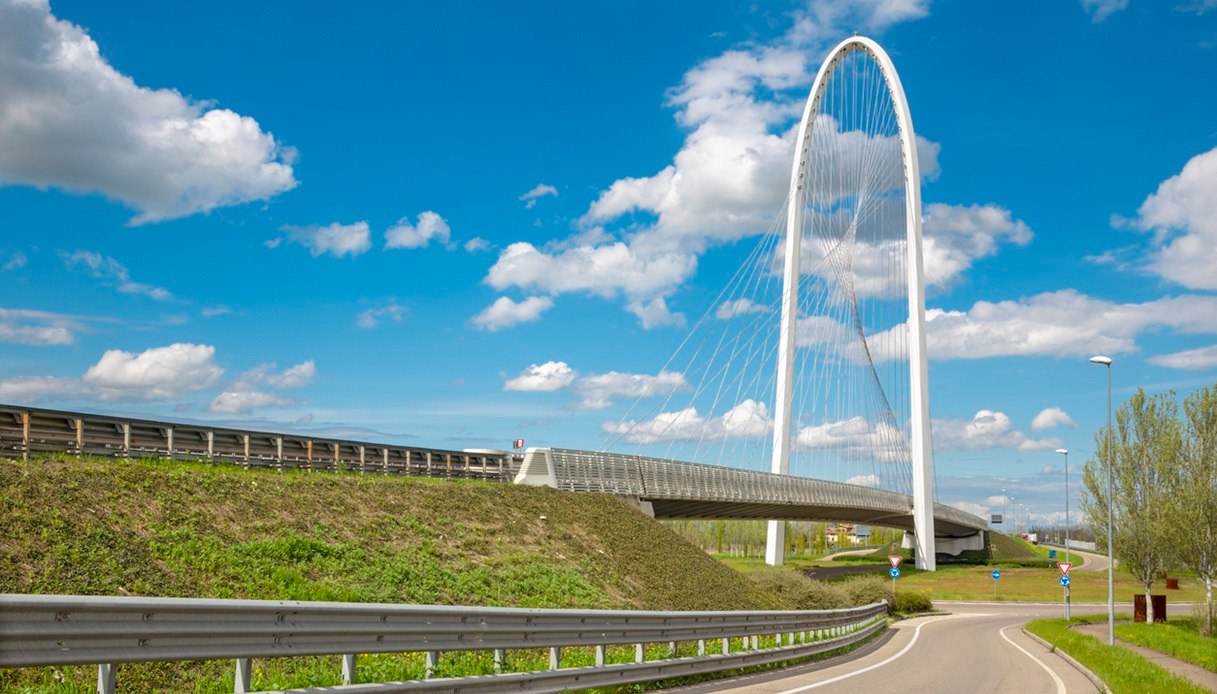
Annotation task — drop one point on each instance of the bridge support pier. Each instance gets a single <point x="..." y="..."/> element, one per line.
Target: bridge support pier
<point x="775" y="543"/>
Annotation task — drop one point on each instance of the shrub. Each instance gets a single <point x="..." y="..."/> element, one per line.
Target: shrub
<point x="864" y="590"/>
<point x="798" y="592"/>
<point x="908" y="603"/>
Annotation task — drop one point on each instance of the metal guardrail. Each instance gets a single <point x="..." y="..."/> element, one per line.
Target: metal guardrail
<point x="38" y="630"/>
<point x="25" y="430"/>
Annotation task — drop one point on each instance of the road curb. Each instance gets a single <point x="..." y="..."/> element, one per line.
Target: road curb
<point x="1094" y="679"/>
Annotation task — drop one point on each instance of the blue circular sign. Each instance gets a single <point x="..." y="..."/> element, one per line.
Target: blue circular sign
<point x="1064" y="581"/>
<point x="894" y="572"/>
<point x="996" y="575"/>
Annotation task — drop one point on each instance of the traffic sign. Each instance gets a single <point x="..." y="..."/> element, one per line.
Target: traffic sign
<point x="1064" y="566"/>
<point x="996" y="575"/>
<point x="1064" y="581"/>
<point x="893" y="572"/>
<point x="894" y="560"/>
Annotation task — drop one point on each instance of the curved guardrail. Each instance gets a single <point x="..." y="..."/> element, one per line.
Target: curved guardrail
<point x="39" y="630"/>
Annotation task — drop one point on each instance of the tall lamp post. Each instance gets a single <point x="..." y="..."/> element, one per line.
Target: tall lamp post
<point x="1111" y="585"/>
<point x="1065" y="453"/>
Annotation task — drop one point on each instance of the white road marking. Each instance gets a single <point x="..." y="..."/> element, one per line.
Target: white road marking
<point x="1060" y="685"/>
<point x="916" y="634"/>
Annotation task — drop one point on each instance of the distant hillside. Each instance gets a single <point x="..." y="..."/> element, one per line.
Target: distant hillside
<point x="115" y="527"/>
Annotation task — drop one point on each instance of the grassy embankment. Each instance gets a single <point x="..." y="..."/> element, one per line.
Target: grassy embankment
<point x="1120" y="669"/>
<point x="113" y="527"/>
<point x="1179" y="638"/>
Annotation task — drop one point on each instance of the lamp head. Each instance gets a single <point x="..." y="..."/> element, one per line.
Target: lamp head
<point x="1062" y="451"/>
<point x="1105" y="361"/>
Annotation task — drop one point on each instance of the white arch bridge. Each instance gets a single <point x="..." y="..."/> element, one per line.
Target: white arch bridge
<point x="671" y="489"/>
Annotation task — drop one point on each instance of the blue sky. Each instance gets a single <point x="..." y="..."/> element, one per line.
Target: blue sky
<point x="457" y="224"/>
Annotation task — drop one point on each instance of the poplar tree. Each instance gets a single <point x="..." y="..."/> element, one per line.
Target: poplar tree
<point x="1195" y="495"/>
<point x="1146" y="449"/>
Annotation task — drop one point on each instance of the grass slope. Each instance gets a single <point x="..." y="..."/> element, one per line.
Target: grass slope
<point x="1120" y="669"/>
<point x="109" y="527"/>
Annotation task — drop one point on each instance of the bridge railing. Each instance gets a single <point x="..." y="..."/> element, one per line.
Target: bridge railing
<point x="38" y="630"/>
<point x="25" y="430"/>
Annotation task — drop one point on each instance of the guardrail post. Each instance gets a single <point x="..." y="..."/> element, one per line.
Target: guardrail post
<point x="80" y="437"/>
<point x="432" y="660"/>
<point x="241" y="679"/>
<point x="308" y="448"/>
<point x="600" y="655"/>
<point x="348" y="668"/>
<point x="169" y="442"/>
<point x="498" y="657"/>
<point x="639" y="653"/>
<point x="245" y="445"/>
<point x="671" y="649"/>
<point x="362" y="460"/>
<point x="701" y="647"/>
<point x="754" y="646"/>
<point x="126" y="439"/>
<point x="106" y="679"/>
<point x="211" y="445"/>
<point x="555" y="658"/>
<point x="385" y="459"/>
<point x="279" y="452"/>
<point x="726" y="646"/>
<point x="337" y="458"/>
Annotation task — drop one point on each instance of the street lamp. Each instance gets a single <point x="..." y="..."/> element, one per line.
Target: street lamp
<point x="1111" y="584"/>
<point x="1065" y="453"/>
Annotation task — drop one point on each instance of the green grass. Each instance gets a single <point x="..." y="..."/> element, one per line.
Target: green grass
<point x="1120" y="669"/>
<point x="133" y="527"/>
<point x="1179" y="638"/>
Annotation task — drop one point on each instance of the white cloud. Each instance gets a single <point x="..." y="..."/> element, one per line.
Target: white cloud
<point x="1062" y="323"/>
<point x="986" y="430"/>
<point x="542" y="378"/>
<point x="373" y="317"/>
<point x="871" y="480"/>
<point x="16" y="261"/>
<point x="541" y="190"/>
<point x="113" y="273"/>
<point x="739" y="307"/>
<point x="1052" y="417"/>
<point x="477" y="244"/>
<point x="1102" y="9"/>
<point x="748" y="419"/>
<point x="997" y="500"/>
<point x="972" y="508"/>
<point x="505" y="313"/>
<point x="654" y="313"/>
<point x="36" y="327"/>
<point x="336" y="239"/>
<point x="854" y="435"/>
<point x="34" y="388"/>
<point x="430" y="227"/>
<point x="157" y="373"/>
<point x="1192" y="359"/>
<point x="213" y="311"/>
<point x="604" y="270"/>
<point x="293" y="376"/>
<point x="1185" y="206"/>
<point x="597" y="390"/>
<point x="242" y="401"/>
<point x="72" y="121"/>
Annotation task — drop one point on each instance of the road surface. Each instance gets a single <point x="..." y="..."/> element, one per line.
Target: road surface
<point x="976" y="647"/>
<point x="1094" y="562"/>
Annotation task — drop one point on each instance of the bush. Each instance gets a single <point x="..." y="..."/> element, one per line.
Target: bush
<point x="864" y="590"/>
<point x="798" y="592"/>
<point x="908" y="603"/>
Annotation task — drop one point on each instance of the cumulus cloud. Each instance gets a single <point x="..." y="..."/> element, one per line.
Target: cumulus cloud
<point x="604" y="270"/>
<point x="853" y="435"/>
<point x="37" y="327"/>
<point x="1191" y="359"/>
<point x="986" y="430"/>
<point x="1052" y="417"/>
<point x="243" y="401"/>
<point x="541" y="190"/>
<point x="505" y="313"/>
<point x="476" y="244"/>
<point x="1183" y="213"/>
<point x="336" y="239"/>
<point x="113" y="273"/>
<point x="373" y="317"/>
<point x="597" y="390"/>
<point x="157" y="373"/>
<point x="16" y="261"/>
<point x="291" y="377"/>
<point x="739" y="307"/>
<point x="70" y="120"/>
<point x="246" y="393"/>
<point x="748" y="419"/>
<point x="430" y="227"/>
<point x="871" y="480"/>
<point x="542" y="378"/>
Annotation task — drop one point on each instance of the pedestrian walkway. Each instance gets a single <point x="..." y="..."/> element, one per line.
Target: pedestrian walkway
<point x="1193" y="673"/>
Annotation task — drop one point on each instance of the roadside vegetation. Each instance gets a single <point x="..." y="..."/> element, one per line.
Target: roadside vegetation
<point x="1179" y="638"/>
<point x="1120" y="669"/>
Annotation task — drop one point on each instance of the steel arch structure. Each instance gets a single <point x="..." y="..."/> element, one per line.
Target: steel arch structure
<point x="920" y="445"/>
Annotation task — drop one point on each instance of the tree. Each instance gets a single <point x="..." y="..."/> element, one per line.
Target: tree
<point x="1195" y="517"/>
<point x="1146" y="446"/>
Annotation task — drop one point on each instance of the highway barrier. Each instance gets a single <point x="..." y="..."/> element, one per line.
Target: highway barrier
<point x="53" y="630"/>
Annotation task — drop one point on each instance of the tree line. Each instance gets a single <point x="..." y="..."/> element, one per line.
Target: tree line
<point x="747" y="538"/>
<point x="1164" y="489"/>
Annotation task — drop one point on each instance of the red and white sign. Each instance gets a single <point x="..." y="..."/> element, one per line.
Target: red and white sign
<point x="517" y="444"/>
<point x="895" y="560"/>
<point x="1064" y="566"/>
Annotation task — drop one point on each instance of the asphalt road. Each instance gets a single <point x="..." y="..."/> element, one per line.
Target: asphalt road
<point x="1094" y="562"/>
<point x="976" y="647"/>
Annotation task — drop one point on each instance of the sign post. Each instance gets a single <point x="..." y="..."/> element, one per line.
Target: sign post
<point x="996" y="575"/>
<point x="1065" y="566"/>
<point x="894" y="560"/>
